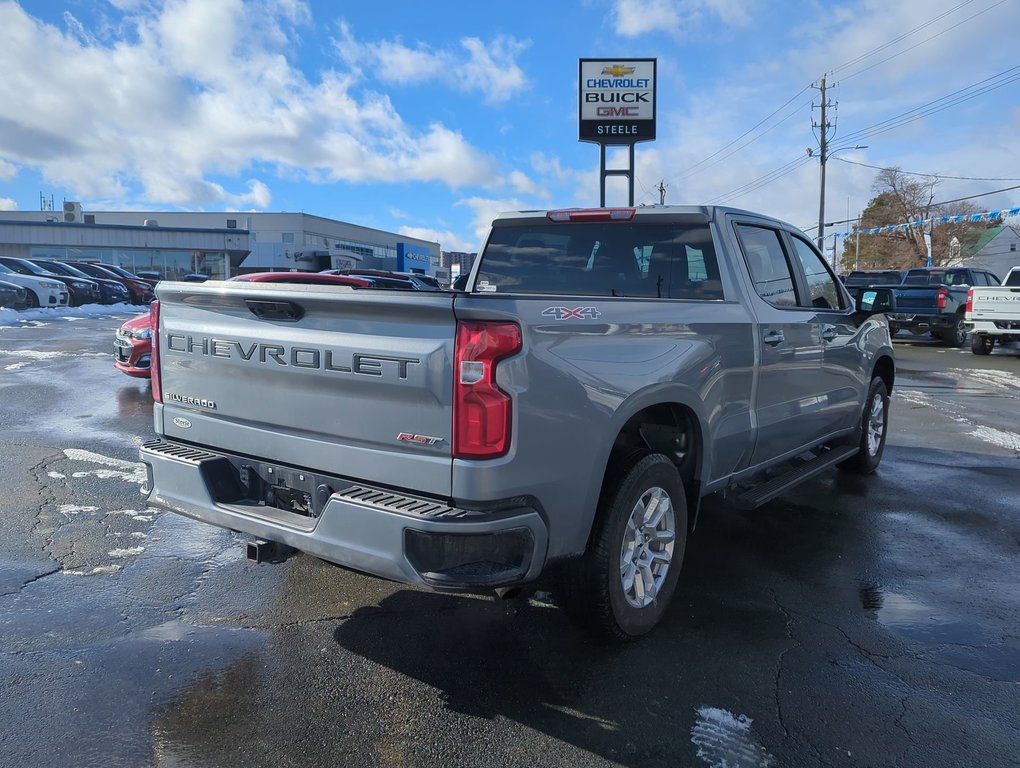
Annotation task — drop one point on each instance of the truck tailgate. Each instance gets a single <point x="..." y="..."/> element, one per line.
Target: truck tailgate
<point x="995" y="303"/>
<point x="350" y="383"/>
<point x="913" y="298"/>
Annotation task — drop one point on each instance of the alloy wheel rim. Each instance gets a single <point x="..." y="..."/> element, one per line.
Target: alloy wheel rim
<point x="648" y="544"/>
<point x="876" y="424"/>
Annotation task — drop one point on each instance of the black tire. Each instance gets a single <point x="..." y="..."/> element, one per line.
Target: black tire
<point x="957" y="335"/>
<point x="592" y="588"/>
<point x="980" y="344"/>
<point x="33" y="300"/>
<point x="871" y="445"/>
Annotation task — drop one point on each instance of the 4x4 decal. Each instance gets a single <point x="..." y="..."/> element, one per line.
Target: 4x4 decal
<point x="566" y="313"/>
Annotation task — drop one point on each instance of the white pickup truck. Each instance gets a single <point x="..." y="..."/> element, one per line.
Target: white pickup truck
<point x="993" y="313"/>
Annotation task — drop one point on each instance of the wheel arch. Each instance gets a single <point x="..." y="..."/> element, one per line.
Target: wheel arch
<point x="885" y="368"/>
<point x="668" y="420"/>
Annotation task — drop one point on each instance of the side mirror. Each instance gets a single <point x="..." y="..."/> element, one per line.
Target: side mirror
<point x="873" y="301"/>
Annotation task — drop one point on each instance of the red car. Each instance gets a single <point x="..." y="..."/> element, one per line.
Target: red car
<point x="133" y="343"/>
<point x="133" y="347"/>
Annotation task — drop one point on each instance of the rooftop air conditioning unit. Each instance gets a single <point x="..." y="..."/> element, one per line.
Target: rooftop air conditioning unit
<point x="72" y="211"/>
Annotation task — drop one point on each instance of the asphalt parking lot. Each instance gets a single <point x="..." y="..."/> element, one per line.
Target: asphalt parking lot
<point x="850" y="623"/>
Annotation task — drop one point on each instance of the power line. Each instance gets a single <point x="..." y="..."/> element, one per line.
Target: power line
<point x="956" y="97"/>
<point x="761" y="122"/>
<point x="901" y="37"/>
<point x="761" y="181"/>
<point x="926" y="40"/>
<point x="931" y="175"/>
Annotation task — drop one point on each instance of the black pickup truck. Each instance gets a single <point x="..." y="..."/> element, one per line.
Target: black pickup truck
<point x="934" y="300"/>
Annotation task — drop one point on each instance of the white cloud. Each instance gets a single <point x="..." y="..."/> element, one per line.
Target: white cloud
<point x="191" y="91"/>
<point x="448" y="240"/>
<point x="637" y="17"/>
<point x="484" y="210"/>
<point x="7" y="171"/>
<point x="7" y="204"/>
<point x="489" y="68"/>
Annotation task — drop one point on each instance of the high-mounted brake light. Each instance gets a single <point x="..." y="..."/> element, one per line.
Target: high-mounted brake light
<point x="940" y="300"/>
<point x="482" y="412"/>
<point x="157" y="384"/>
<point x="592" y="214"/>
<point x="970" y="301"/>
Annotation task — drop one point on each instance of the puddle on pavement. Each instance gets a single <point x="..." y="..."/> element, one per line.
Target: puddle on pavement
<point x="914" y="619"/>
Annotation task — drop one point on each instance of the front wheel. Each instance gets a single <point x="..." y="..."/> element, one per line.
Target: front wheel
<point x="957" y="335"/>
<point x="874" y="426"/>
<point x="980" y="344"/>
<point x="625" y="581"/>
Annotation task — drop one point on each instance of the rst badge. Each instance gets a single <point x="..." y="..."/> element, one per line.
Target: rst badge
<point x="567" y="313"/>
<point x="410" y="437"/>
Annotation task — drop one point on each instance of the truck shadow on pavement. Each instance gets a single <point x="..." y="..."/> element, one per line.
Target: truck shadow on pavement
<point x="635" y="703"/>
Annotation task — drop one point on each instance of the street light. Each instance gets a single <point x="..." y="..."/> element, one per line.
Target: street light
<point x="822" y="157"/>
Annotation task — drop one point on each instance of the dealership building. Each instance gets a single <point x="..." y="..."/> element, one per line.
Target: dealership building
<point x="217" y="244"/>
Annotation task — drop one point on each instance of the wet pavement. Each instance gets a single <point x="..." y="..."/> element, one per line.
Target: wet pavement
<point x="852" y="622"/>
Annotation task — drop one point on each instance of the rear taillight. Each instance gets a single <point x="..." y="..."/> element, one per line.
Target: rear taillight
<point x="157" y="385"/>
<point x="482" y="412"/>
<point x="940" y="300"/>
<point x="970" y="301"/>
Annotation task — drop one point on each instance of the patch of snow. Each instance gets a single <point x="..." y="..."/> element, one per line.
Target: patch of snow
<point x="724" y="740"/>
<point x="126" y="552"/>
<point x="97" y="571"/>
<point x="130" y="471"/>
<point x="1008" y="440"/>
<point x="11" y="318"/>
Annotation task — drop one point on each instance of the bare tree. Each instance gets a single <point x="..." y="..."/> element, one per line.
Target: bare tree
<point x="901" y="199"/>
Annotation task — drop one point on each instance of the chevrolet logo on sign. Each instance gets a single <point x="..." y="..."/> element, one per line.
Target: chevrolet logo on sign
<point x="618" y="70"/>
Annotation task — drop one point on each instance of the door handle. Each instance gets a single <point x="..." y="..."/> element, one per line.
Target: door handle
<point x="828" y="334"/>
<point x="774" y="337"/>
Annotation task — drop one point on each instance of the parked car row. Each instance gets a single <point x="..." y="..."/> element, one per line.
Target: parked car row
<point x="133" y="342"/>
<point x="55" y="283"/>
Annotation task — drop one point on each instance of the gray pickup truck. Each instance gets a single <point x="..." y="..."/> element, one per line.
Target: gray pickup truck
<point x="561" y="418"/>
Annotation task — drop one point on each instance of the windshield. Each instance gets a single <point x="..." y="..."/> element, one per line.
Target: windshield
<point x="66" y="269"/>
<point x="28" y="268"/>
<point x="118" y="271"/>
<point x="952" y="277"/>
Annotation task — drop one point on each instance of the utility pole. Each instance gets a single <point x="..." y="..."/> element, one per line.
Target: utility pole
<point x="662" y="192"/>
<point x="823" y="127"/>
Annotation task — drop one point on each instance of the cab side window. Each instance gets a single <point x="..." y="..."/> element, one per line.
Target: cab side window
<point x="822" y="288"/>
<point x="766" y="261"/>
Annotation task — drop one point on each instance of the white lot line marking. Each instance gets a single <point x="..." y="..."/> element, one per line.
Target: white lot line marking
<point x="130" y="471"/>
<point x="724" y="740"/>
<point x="71" y="509"/>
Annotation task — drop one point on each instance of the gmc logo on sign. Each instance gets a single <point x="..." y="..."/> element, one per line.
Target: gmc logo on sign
<point x="617" y="112"/>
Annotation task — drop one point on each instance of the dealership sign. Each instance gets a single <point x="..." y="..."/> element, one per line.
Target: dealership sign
<point x="617" y="100"/>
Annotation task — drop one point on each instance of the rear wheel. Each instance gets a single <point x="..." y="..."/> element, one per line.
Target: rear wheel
<point x="874" y="426"/>
<point x="980" y="344"/>
<point x="955" y="336"/>
<point x="625" y="581"/>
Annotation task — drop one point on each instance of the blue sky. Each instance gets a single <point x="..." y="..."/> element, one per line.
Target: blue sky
<point x="428" y="118"/>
